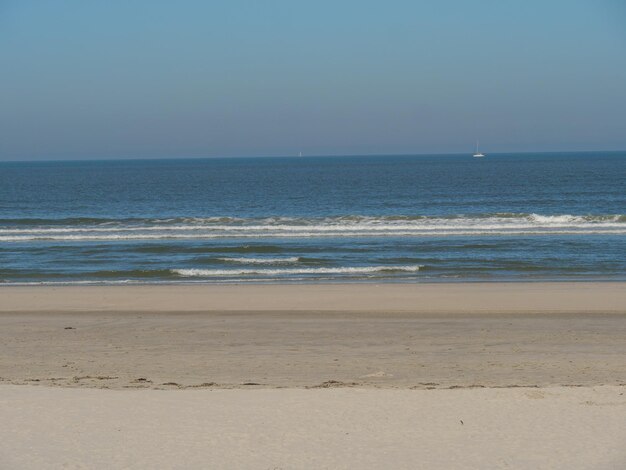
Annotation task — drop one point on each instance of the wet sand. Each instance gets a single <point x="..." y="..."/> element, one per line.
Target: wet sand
<point x="393" y="336"/>
<point x="512" y="297"/>
<point x="304" y="349"/>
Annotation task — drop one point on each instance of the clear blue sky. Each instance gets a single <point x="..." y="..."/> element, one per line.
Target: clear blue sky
<point x="150" y="78"/>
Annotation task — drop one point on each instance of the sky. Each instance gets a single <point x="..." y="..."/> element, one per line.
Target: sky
<point x="156" y="79"/>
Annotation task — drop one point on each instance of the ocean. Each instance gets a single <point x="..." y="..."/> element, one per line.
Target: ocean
<point x="439" y="218"/>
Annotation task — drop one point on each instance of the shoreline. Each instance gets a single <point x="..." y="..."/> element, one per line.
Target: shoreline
<point x="434" y="298"/>
<point x="314" y="282"/>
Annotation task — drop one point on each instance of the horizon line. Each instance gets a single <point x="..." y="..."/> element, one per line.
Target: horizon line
<point x="443" y="154"/>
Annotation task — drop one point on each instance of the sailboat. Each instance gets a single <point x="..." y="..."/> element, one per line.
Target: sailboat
<point x="478" y="153"/>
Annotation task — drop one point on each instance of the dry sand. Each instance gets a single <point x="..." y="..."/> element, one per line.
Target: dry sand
<point x="551" y="428"/>
<point x="319" y="376"/>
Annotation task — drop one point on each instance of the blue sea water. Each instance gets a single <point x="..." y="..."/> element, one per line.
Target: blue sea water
<point x="315" y="219"/>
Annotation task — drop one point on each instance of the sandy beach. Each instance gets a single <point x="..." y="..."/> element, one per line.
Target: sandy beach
<point x="508" y="375"/>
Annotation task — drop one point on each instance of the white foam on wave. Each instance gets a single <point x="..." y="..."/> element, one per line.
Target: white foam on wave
<point x="356" y="234"/>
<point x="559" y="220"/>
<point x="278" y="272"/>
<point x="349" y="226"/>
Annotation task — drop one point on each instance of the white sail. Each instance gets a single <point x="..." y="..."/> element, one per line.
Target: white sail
<point x="477" y="153"/>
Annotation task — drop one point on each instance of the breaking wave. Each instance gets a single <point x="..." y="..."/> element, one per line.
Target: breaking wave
<point x="300" y="271"/>
<point x="292" y="259"/>
<point x="88" y="229"/>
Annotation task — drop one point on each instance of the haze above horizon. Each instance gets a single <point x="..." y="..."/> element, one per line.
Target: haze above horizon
<point x="149" y="79"/>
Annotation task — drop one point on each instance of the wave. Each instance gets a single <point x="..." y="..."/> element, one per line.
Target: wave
<point x="105" y="274"/>
<point x="287" y="272"/>
<point x="103" y="221"/>
<point x="292" y="259"/>
<point x="138" y="221"/>
<point x="284" y="227"/>
<point x="312" y="234"/>
<point x="166" y="248"/>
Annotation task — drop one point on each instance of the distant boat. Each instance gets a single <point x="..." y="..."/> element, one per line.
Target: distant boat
<point x="300" y="154"/>
<point x="478" y="153"/>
